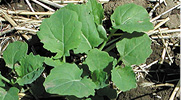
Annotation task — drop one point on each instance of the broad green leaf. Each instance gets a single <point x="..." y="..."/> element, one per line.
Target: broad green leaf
<point x="130" y="18"/>
<point x="61" y="32"/>
<point x="134" y="48"/>
<point x="66" y="80"/>
<point x="98" y="60"/>
<point x="14" y="52"/>
<point x="89" y="37"/>
<point x="52" y="62"/>
<point x="107" y="91"/>
<point x="97" y="11"/>
<point x="124" y="78"/>
<point x="99" y="77"/>
<point x="30" y="69"/>
<point x="11" y="94"/>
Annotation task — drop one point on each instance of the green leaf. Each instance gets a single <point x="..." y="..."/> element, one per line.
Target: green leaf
<point x="66" y="80"/>
<point x="30" y="69"/>
<point x="134" y="48"/>
<point x="124" y="78"/>
<point x="14" y="52"/>
<point x="99" y="77"/>
<point x="53" y="62"/>
<point x="102" y="32"/>
<point x="89" y="37"/>
<point x="61" y="32"/>
<point x="130" y="18"/>
<point x="11" y="94"/>
<point x="97" y="11"/>
<point x="98" y="60"/>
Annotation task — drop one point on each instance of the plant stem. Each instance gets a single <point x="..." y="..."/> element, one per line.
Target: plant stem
<point x="102" y="46"/>
<point x="110" y="35"/>
<point x="64" y="59"/>
<point x="119" y="59"/>
<point x="5" y="79"/>
<point x="111" y="44"/>
<point x="110" y="47"/>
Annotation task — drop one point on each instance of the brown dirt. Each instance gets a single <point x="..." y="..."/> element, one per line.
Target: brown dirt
<point x="174" y="15"/>
<point x="146" y="93"/>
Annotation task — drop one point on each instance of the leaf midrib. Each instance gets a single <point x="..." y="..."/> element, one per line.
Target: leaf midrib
<point x="133" y="49"/>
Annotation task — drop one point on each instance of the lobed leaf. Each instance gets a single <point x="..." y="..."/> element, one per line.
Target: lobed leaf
<point x="124" y="78"/>
<point x="66" y="80"/>
<point x="130" y="18"/>
<point x="11" y="94"/>
<point x="61" y="32"/>
<point x="30" y="69"/>
<point x="134" y="48"/>
<point x="14" y="52"/>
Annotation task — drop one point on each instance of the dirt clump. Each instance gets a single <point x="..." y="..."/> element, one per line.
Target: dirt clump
<point x="174" y="15"/>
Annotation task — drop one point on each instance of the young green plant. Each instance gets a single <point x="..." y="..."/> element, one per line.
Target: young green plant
<point x="79" y="28"/>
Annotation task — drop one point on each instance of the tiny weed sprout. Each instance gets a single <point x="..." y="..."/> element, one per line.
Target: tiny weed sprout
<point x="79" y="29"/>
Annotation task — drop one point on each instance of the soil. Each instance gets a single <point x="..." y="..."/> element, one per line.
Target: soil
<point x="158" y="73"/>
<point x="173" y="15"/>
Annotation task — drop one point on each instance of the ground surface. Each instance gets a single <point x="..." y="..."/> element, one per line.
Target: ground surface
<point x="165" y="72"/>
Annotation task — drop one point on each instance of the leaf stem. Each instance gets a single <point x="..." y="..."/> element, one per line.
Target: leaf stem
<point x="110" y="47"/>
<point x="5" y="79"/>
<point x="112" y="41"/>
<point x="110" y="35"/>
<point x="119" y="59"/>
<point x="64" y="59"/>
<point x="111" y="44"/>
<point x="102" y="46"/>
